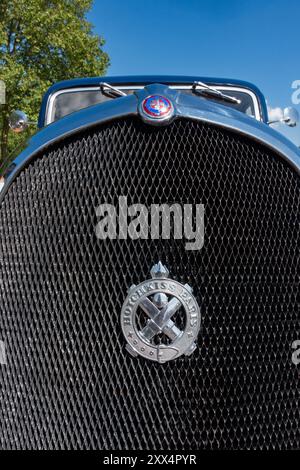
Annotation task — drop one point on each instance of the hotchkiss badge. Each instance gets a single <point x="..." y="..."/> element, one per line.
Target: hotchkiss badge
<point x="173" y="318"/>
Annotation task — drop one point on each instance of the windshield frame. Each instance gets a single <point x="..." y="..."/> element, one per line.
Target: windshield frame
<point x="226" y="88"/>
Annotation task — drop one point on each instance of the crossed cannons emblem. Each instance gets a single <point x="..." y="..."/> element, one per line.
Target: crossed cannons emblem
<point x="160" y="320"/>
<point x="160" y="299"/>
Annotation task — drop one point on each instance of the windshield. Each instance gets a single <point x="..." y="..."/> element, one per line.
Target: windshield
<point x="68" y="101"/>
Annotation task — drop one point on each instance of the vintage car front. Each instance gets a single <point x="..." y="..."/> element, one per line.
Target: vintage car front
<point x="149" y="264"/>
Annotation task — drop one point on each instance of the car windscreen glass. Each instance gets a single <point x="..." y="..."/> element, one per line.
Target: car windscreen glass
<point x="70" y="101"/>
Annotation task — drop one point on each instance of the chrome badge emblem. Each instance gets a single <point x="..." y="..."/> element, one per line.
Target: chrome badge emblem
<point x="156" y="107"/>
<point x="160" y="318"/>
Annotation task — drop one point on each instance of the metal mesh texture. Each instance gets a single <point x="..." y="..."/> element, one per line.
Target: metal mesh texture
<point x="69" y="382"/>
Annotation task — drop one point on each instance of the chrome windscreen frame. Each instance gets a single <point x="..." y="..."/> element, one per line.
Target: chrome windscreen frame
<point x="185" y="106"/>
<point x="51" y="100"/>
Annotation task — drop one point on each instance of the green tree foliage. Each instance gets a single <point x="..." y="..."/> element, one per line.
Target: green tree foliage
<point x="42" y="42"/>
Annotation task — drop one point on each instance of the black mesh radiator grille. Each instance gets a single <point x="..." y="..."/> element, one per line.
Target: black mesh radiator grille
<point x="68" y="382"/>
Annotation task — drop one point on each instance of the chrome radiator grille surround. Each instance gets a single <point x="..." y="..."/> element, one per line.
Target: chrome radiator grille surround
<point x="68" y="382"/>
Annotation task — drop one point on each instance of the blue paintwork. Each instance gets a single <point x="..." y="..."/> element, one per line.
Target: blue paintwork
<point x="147" y="80"/>
<point x="185" y="106"/>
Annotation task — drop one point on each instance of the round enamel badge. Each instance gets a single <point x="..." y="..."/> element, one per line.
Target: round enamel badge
<point x="156" y="107"/>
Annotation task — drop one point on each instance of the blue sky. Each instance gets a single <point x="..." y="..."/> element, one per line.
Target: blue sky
<point x="254" y="40"/>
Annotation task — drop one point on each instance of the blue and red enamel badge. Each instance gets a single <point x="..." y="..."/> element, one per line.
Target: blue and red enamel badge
<point x="157" y="107"/>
